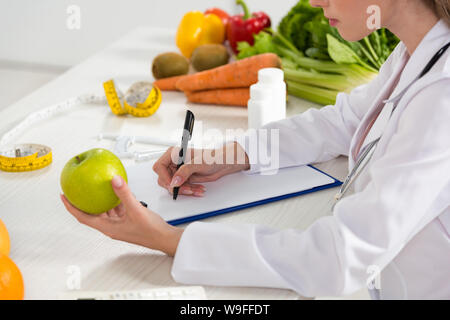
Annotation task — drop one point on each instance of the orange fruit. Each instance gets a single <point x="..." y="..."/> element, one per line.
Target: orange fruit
<point x="4" y="239"/>
<point x="11" y="281"/>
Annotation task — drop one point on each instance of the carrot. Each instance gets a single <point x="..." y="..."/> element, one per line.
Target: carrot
<point x="168" y="84"/>
<point x="238" y="74"/>
<point x="230" y="97"/>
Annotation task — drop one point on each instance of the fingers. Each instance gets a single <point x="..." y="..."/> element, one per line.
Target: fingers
<point x="183" y="174"/>
<point x="112" y="214"/>
<point x="163" y="168"/>
<point x="164" y="177"/>
<point x="120" y="210"/>
<point x="204" y="178"/>
<point x="116" y="213"/>
<point x="123" y="192"/>
<point x="81" y="216"/>
<point x="188" y="189"/>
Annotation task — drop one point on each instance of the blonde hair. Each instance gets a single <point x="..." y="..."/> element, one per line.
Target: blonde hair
<point x="442" y="9"/>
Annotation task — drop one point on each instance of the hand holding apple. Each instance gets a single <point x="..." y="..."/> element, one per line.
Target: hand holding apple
<point x="130" y="221"/>
<point x="86" y="180"/>
<point x="96" y="194"/>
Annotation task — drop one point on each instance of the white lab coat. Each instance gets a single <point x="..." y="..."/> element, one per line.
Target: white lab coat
<point x="398" y="217"/>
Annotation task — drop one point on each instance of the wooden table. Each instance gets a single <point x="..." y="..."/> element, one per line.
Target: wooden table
<point x="54" y="251"/>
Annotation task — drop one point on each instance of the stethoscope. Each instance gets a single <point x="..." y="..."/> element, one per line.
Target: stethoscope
<point x="369" y="149"/>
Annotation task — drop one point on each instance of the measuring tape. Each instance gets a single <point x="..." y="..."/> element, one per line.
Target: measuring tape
<point x="141" y="100"/>
<point x="29" y="157"/>
<point x="26" y="157"/>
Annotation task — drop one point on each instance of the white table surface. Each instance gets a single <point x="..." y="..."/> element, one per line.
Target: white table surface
<point x="48" y="244"/>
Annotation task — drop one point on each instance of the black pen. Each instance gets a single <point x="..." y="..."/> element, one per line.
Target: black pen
<point x="187" y="135"/>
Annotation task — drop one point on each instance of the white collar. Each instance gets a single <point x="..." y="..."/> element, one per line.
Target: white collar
<point x="436" y="38"/>
<point x="430" y="44"/>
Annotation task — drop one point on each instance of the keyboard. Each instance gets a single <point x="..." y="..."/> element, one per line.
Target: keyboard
<point x="169" y="293"/>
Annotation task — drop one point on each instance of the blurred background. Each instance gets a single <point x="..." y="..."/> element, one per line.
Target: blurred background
<point x="37" y="44"/>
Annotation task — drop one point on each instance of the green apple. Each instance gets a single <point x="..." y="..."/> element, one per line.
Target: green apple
<point x="86" y="180"/>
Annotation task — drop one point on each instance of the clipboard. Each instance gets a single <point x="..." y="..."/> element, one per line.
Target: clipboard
<point x="231" y="193"/>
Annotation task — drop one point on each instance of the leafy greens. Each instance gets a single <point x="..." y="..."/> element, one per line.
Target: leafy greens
<point x="318" y="63"/>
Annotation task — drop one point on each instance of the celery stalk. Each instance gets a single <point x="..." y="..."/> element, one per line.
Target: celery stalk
<point x="326" y="81"/>
<point x="312" y="93"/>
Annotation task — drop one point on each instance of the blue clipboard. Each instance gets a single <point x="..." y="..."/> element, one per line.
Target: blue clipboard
<point x="336" y="183"/>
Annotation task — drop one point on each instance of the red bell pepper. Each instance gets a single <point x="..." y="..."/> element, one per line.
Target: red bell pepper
<point x="220" y="13"/>
<point x="242" y="27"/>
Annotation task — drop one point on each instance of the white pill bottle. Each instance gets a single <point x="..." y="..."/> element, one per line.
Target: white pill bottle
<point x="267" y="98"/>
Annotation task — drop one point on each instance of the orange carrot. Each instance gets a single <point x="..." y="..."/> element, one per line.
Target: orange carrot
<point x="230" y="97"/>
<point x="238" y="74"/>
<point x="168" y="84"/>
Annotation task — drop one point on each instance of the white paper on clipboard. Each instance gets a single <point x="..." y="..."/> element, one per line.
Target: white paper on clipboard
<point x="235" y="190"/>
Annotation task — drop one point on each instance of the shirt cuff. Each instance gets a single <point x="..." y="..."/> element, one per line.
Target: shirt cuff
<point x="222" y="255"/>
<point x="257" y="145"/>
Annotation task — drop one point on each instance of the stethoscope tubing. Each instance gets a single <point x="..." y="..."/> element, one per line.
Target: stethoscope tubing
<point x="369" y="150"/>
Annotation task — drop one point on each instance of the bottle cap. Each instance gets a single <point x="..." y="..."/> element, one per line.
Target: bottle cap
<point x="270" y="75"/>
<point x="260" y="92"/>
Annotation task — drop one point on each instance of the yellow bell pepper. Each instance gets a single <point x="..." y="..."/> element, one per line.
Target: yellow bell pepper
<point x="196" y="29"/>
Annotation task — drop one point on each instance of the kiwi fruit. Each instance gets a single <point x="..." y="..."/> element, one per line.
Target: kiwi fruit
<point x="209" y="56"/>
<point x="169" y="64"/>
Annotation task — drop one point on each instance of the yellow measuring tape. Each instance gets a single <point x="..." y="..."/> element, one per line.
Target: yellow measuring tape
<point x="25" y="157"/>
<point x="141" y="100"/>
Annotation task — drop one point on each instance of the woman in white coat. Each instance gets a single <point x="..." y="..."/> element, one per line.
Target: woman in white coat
<point x="397" y="219"/>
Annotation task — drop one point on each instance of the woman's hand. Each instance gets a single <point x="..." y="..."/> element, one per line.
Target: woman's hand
<point x="200" y="166"/>
<point x="131" y="222"/>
